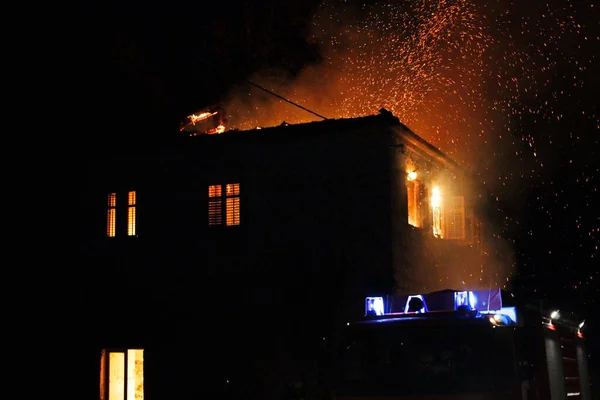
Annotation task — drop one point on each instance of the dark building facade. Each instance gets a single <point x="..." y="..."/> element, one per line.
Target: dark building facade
<point x="233" y="259"/>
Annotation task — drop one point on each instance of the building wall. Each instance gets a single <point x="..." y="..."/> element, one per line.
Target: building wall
<point x="323" y="224"/>
<point x="422" y="261"/>
<point x="313" y="241"/>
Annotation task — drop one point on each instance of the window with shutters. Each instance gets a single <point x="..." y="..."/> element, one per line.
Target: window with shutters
<point x="123" y="222"/>
<point x="454" y="212"/>
<point x="131" y="214"/>
<point x="111" y="216"/>
<point x="224" y="204"/>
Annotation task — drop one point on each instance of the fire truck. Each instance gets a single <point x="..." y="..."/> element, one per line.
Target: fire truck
<point x="479" y="344"/>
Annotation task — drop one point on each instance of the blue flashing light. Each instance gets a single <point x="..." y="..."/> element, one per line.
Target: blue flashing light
<point x="416" y="296"/>
<point x="374" y="306"/>
<point x="465" y="298"/>
<point x="485" y="303"/>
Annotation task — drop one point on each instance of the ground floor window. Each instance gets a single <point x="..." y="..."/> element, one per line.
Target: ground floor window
<point x="122" y="374"/>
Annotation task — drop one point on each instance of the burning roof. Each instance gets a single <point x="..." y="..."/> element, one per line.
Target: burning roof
<point x="208" y="121"/>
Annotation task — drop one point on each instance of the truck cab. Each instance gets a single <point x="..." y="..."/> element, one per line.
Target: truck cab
<point x="462" y="345"/>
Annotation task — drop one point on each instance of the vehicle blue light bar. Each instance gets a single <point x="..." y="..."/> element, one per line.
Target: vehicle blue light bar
<point x="485" y="302"/>
<point x="374" y="306"/>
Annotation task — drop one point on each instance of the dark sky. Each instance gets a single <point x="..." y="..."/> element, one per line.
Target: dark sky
<point x="106" y="77"/>
<point x="143" y="65"/>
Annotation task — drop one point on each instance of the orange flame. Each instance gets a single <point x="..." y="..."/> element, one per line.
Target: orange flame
<point x="203" y="116"/>
<point x="200" y="117"/>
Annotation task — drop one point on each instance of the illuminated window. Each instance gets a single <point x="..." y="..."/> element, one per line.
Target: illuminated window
<point x="117" y="227"/>
<point x="224" y="204"/>
<point x="215" y="205"/>
<point x="111" y="215"/>
<point x="436" y="213"/>
<point x="122" y="374"/>
<point x="232" y="210"/>
<point x="447" y="215"/>
<point x="414" y="203"/>
<point x="131" y="213"/>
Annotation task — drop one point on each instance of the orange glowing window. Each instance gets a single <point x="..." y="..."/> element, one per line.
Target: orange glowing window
<point x="414" y="203"/>
<point x="437" y="215"/>
<point x="224" y="204"/>
<point x="232" y="209"/>
<point x="131" y="214"/>
<point x="122" y="374"/>
<point x="111" y="215"/>
<point x="215" y="205"/>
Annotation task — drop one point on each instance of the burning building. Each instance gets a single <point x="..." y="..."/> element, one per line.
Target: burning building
<point x="245" y="251"/>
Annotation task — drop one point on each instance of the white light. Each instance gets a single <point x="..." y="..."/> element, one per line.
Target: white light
<point x="581" y="324"/>
<point x="412" y="175"/>
<point x="554" y="314"/>
<point x="436" y="197"/>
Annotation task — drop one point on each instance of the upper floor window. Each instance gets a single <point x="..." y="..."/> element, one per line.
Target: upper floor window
<point x="115" y="226"/>
<point x="448" y="215"/>
<point x="131" y="214"/>
<point x="437" y="214"/>
<point x="418" y="205"/>
<point x="434" y="209"/>
<point x="224" y="204"/>
<point x="455" y="218"/>
<point x="111" y="218"/>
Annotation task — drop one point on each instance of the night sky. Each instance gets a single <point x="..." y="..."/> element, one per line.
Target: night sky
<point x="508" y="89"/>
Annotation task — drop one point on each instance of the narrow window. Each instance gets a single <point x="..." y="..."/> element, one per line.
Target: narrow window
<point x="131" y="214"/>
<point x="414" y="203"/>
<point x="232" y="191"/>
<point x="436" y="213"/>
<point x="455" y="218"/>
<point x="111" y="215"/>
<point x="215" y="205"/>
<point x="122" y="374"/>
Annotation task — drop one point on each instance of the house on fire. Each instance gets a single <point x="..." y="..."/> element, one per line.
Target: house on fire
<point x="224" y="261"/>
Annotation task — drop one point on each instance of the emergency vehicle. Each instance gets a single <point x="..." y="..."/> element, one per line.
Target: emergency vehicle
<point x="451" y="344"/>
